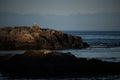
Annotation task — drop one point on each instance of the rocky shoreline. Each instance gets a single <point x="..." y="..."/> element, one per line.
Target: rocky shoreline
<point x="34" y="37"/>
<point x="48" y="63"/>
<point x="41" y="58"/>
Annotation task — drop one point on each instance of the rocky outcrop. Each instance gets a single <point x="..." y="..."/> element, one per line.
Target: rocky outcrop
<point x="48" y="63"/>
<point x="24" y="37"/>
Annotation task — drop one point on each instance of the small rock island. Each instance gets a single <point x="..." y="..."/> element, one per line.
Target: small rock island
<point x="34" y="37"/>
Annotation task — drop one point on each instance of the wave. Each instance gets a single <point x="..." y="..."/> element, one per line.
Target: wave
<point x="110" y="59"/>
<point x="104" y="45"/>
<point x="99" y="37"/>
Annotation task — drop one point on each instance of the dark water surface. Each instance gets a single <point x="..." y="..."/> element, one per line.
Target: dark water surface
<point x="104" y="45"/>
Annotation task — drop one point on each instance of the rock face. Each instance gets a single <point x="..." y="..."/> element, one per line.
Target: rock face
<point x="24" y="37"/>
<point x="51" y="63"/>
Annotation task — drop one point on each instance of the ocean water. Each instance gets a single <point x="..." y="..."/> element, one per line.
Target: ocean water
<point x="98" y="37"/>
<point x="104" y="45"/>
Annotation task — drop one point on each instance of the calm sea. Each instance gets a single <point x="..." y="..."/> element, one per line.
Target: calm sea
<point x="104" y="45"/>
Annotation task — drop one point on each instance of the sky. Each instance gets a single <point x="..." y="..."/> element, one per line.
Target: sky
<point x="98" y="15"/>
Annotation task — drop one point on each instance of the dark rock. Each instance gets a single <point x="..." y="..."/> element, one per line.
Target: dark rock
<point x="51" y="63"/>
<point x="24" y="37"/>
